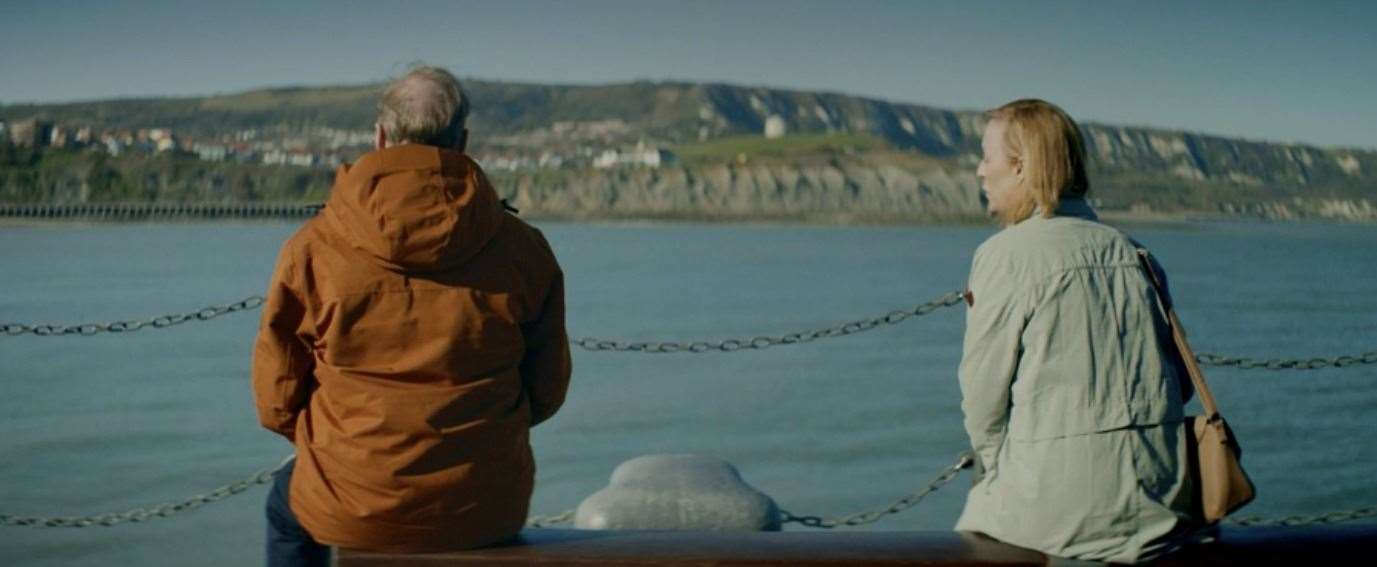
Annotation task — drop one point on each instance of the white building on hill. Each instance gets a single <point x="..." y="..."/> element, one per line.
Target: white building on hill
<point x="639" y="156"/>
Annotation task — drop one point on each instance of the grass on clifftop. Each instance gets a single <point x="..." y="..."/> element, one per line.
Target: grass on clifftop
<point x="784" y="148"/>
<point x="275" y="99"/>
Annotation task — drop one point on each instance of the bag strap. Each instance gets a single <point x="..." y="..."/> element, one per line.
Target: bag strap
<point x="1179" y="334"/>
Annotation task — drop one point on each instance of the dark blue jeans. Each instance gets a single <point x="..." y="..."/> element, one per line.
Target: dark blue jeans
<point x="289" y="544"/>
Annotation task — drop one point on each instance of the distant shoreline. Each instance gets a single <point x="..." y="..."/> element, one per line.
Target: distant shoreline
<point x="819" y="220"/>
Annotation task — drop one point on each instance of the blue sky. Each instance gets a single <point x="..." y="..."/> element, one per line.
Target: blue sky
<point x="1283" y="71"/>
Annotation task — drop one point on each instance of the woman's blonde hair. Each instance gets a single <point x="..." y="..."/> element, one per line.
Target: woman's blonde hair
<point x="1047" y="142"/>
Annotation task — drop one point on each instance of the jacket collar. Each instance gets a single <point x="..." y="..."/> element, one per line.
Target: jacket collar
<point x="1076" y="207"/>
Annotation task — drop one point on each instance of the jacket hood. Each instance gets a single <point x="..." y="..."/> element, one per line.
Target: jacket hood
<point x="414" y="208"/>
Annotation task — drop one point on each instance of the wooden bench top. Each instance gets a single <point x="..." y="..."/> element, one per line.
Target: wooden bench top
<point x="1235" y="546"/>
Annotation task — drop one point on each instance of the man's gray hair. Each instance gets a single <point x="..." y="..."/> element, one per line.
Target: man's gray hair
<point x="424" y="106"/>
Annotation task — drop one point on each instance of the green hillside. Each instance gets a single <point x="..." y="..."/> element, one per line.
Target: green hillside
<point x="706" y="126"/>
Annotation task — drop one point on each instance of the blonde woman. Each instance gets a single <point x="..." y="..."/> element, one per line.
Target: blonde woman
<point x="1069" y="379"/>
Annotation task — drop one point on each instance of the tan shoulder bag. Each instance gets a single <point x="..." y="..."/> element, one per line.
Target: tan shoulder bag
<point x="1219" y="484"/>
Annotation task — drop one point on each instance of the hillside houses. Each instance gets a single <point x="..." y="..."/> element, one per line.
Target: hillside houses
<point x="641" y="155"/>
<point x="30" y="133"/>
<point x="330" y="147"/>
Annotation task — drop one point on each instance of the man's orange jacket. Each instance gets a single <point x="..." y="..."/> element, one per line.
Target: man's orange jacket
<point x="413" y="333"/>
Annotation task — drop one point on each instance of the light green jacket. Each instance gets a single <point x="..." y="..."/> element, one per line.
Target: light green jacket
<point x="1070" y="395"/>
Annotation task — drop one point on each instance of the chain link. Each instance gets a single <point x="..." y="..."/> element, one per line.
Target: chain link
<point x="144" y="514"/>
<point x="1327" y="518"/>
<point x="871" y="516"/>
<point x="265" y="476"/>
<point x="1287" y="363"/>
<point x="547" y="521"/>
<point x="696" y="347"/>
<point x="762" y="342"/>
<point x="88" y="329"/>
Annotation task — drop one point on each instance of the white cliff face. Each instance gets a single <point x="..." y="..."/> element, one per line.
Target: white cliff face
<point x="825" y="191"/>
<point x="1354" y="210"/>
<point x="948" y="134"/>
<point x="908" y="126"/>
<point x="1346" y="210"/>
<point x="756" y="104"/>
<point x="1168" y="148"/>
<point x="1188" y="171"/>
<point x="822" y="115"/>
<point x="837" y="193"/>
<point x="1349" y="165"/>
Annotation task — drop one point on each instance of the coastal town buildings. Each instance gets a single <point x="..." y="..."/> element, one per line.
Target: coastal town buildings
<point x="31" y="133"/>
<point x="641" y="155"/>
<point x="563" y="145"/>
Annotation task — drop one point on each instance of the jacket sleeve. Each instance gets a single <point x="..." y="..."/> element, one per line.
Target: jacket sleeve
<point x="999" y="311"/>
<point x="282" y="357"/>
<point x="546" y="367"/>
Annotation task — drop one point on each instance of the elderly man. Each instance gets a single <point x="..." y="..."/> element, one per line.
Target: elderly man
<point x="412" y="335"/>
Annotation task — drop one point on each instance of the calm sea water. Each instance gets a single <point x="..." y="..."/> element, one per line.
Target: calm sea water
<point x="108" y="423"/>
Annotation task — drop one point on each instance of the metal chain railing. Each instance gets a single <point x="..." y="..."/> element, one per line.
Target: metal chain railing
<point x="761" y="342"/>
<point x="871" y="516"/>
<point x="1288" y="363"/>
<point x="88" y="329"/>
<point x="143" y="514"/>
<point x="265" y="476"/>
<point x="551" y="520"/>
<point x="1327" y="518"/>
<point x="700" y="346"/>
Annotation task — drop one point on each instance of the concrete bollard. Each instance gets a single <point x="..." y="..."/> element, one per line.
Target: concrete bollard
<point x="677" y="492"/>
